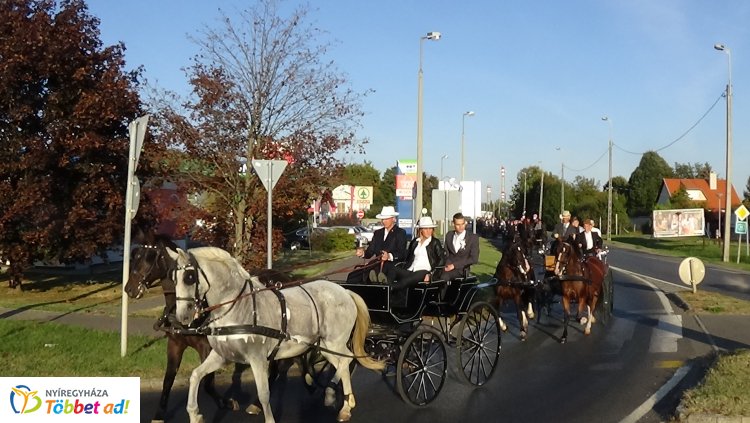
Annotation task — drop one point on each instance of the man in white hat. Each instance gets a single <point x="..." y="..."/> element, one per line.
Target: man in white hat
<point x="388" y="245"/>
<point x="424" y="254"/>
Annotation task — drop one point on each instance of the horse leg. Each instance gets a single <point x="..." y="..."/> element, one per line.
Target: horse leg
<point x="582" y="302"/>
<point x="566" y="318"/>
<point x="260" y="371"/>
<point x="521" y="313"/>
<point x="275" y="370"/>
<point x="175" y="350"/>
<point x="498" y="307"/>
<point x="201" y="345"/>
<point x="211" y="364"/>
<point x="342" y="372"/>
<point x="587" y="329"/>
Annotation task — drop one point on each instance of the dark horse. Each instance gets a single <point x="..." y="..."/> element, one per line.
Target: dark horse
<point x="150" y="264"/>
<point x="516" y="282"/>
<point x="581" y="280"/>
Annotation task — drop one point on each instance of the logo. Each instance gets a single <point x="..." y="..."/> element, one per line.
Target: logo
<point x="23" y="400"/>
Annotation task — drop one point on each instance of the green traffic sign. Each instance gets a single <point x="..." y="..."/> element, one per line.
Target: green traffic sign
<point x="740" y="228"/>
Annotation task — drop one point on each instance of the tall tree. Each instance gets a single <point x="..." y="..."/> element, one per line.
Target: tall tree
<point x="645" y="182"/>
<point x="360" y="174"/>
<point x="692" y="170"/>
<point x="65" y="101"/>
<point x="263" y="89"/>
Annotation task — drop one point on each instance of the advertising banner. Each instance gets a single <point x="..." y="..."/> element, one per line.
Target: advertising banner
<point x="679" y="222"/>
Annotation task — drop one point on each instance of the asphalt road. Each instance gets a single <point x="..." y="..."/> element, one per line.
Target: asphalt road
<point x="604" y="377"/>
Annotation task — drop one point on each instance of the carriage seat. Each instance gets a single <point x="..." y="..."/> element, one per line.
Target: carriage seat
<point x="413" y="295"/>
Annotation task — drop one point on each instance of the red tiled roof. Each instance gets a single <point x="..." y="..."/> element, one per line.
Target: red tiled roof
<point x="713" y="197"/>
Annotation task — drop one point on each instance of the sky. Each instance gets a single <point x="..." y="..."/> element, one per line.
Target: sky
<point x="538" y="75"/>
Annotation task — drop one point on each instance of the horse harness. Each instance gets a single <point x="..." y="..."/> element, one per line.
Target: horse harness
<point x="203" y="310"/>
<point x="566" y="277"/>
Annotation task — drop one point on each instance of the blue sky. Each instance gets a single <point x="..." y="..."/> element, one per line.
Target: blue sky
<point x="539" y="76"/>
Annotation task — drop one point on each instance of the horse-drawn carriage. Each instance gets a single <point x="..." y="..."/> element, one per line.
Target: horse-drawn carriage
<point x="412" y="337"/>
<point x="577" y="279"/>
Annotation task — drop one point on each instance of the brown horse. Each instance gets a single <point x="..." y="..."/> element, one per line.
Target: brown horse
<point x="581" y="281"/>
<point x="515" y="282"/>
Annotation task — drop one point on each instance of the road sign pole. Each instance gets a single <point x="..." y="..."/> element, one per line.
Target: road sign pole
<point x="269" y="172"/>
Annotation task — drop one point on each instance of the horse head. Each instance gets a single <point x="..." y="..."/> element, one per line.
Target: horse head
<point x="191" y="294"/>
<point x="149" y="263"/>
<point x="513" y="263"/>
<point x="565" y="255"/>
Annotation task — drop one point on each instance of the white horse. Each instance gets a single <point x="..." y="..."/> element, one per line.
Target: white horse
<point x="245" y="322"/>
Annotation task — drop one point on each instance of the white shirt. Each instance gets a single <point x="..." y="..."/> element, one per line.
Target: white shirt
<point x="458" y="240"/>
<point x="421" y="261"/>
<point x="589" y="240"/>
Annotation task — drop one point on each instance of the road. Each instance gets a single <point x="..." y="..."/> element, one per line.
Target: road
<point x="605" y="377"/>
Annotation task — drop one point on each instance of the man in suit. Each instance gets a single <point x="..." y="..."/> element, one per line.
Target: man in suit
<point x="563" y="230"/>
<point x="461" y="249"/>
<point x="588" y="241"/>
<point x="388" y="245"/>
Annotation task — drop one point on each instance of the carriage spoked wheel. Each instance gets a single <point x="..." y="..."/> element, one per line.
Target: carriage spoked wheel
<point x="422" y="366"/>
<point x="478" y="344"/>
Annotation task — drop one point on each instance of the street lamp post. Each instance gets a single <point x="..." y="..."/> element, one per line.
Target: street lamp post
<point x="609" y="185"/>
<point x="441" y="166"/>
<point x="541" y="195"/>
<point x="718" y="211"/>
<point x="463" y="126"/>
<point x="418" y="206"/>
<point x="728" y="192"/>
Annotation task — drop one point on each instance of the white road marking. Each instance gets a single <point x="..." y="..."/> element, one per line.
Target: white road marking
<point x="666" y="335"/>
<point x="657" y="396"/>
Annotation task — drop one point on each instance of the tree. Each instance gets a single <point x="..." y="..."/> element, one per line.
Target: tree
<point x="65" y="104"/>
<point x="645" y="182"/>
<point x="360" y="174"/>
<point x="692" y="170"/>
<point x="262" y="89"/>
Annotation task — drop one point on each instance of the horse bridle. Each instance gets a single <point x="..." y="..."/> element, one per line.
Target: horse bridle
<point x="191" y="277"/>
<point x="143" y="284"/>
<point x="564" y="251"/>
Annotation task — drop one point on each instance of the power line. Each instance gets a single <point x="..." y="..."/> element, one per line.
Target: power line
<point x="589" y="166"/>
<point x="681" y="136"/>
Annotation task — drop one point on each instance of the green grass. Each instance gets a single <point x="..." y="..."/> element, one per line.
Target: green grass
<point x="31" y="348"/>
<point x="725" y="390"/>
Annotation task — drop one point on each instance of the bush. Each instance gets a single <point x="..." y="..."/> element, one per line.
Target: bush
<point x="331" y="241"/>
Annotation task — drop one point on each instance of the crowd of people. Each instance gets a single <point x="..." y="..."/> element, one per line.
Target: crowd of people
<point x="402" y="263"/>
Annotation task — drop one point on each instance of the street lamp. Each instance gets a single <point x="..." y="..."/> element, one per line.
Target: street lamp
<point x="562" y="182"/>
<point x="463" y="126"/>
<point x="418" y="206"/>
<point x="441" y="166"/>
<point x="609" y="188"/>
<point x="728" y="192"/>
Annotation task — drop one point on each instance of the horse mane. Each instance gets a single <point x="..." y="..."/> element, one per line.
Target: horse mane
<point x="222" y="256"/>
<point x="165" y="241"/>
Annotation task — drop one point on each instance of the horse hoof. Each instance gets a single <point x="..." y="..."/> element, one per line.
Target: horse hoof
<point x="254" y="410"/>
<point x="584" y="320"/>
<point x="308" y="379"/>
<point x="504" y="327"/>
<point x="330" y="397"/>
<point x="232" y="404"/>
<point x="523" y="336"/>
<point x="563" y="340"/>
<point x="587" y="332"/>
<point x="344" y="416"/>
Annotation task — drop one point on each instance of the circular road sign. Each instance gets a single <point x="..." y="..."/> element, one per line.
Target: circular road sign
<point x="360" y="214"/>
<point x="692" y="271"/>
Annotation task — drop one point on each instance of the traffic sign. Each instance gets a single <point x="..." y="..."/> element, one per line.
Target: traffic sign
<point x="360" y="214"/>
<point x="740" y="228"/>
<point x="692" y="271"/>
<point x="742" y="212"/>
<point x="269" y="171"/>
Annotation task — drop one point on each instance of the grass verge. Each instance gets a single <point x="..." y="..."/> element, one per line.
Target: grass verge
<point x="725" y="390"/>
<point x="31" y="348"/>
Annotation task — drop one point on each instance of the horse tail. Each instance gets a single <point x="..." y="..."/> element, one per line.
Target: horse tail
<point x="361" y="327"/>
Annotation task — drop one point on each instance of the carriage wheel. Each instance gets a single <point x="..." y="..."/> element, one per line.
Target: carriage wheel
<point x="608" y="298"/>
<point x="479" y="344"/>
<point x="422" y="366"/>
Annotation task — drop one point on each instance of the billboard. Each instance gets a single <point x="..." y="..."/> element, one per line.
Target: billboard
<point x="406" y="183"/>
<point x="679" y="222"/>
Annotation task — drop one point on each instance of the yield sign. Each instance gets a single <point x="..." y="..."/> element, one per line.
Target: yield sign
<point x="269" y="171"/>
<point x="742" y="212"/>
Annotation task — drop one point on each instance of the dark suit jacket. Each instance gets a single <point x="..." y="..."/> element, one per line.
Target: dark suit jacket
<point x="564" y="233"/>
<point x="581" y="241"/>
<point x="395" y="244"/>
<point x="465" y="256"/>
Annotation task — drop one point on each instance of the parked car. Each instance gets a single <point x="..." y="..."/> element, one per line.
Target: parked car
<point x="374" y="226"/>
<point x="361" y="235"/>
<point x="299" y="239"/>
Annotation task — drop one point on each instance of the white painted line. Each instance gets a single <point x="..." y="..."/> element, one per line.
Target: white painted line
<point x="657" y="396"/>
<point x="642" y="277"/>
<point x="666" y="335"/>
<point x="665" y="303"/>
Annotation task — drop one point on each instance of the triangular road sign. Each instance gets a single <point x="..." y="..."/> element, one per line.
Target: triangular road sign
<point x="269" y="171"/>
